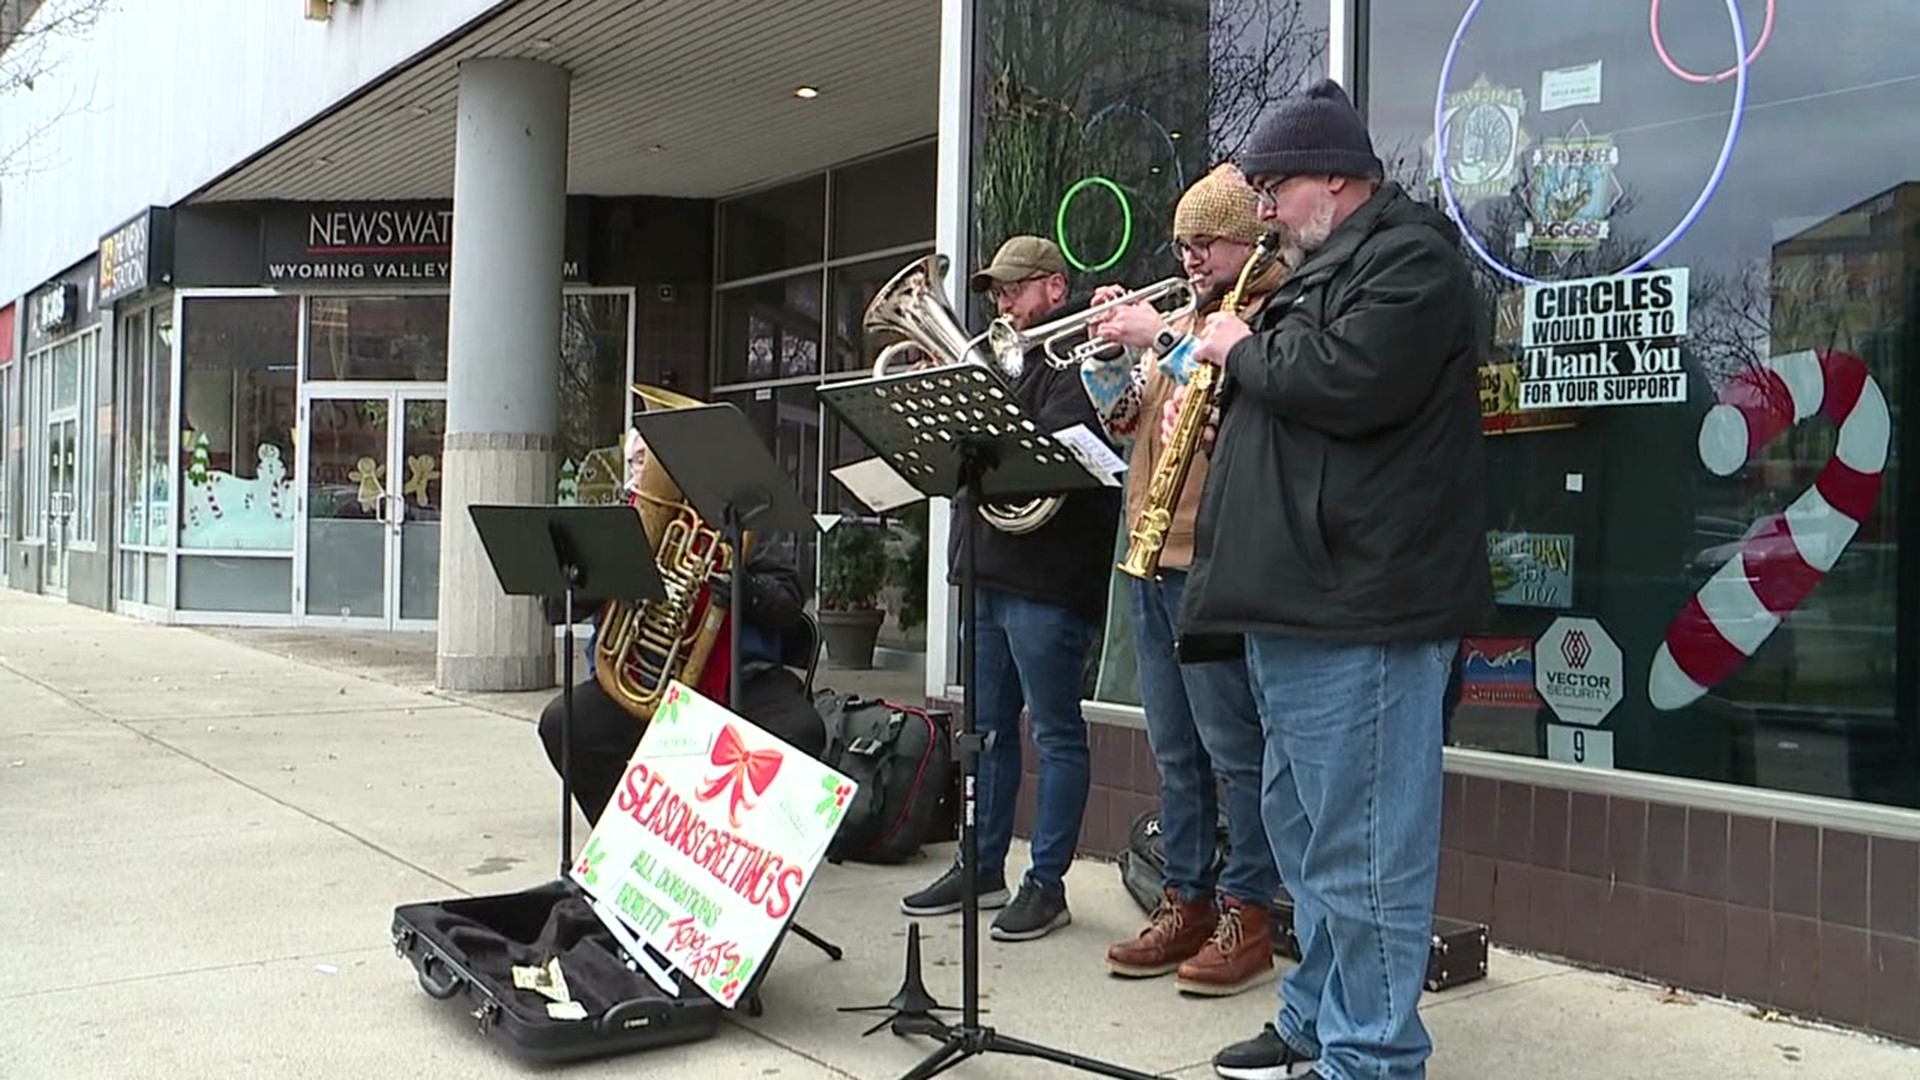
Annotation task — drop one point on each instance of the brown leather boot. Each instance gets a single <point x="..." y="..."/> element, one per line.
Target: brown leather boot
<point x="1238" y="957"/>
<point x="1175" y="931"/>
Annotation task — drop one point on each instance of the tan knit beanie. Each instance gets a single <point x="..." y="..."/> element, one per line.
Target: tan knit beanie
<point x="1220" y="204"/>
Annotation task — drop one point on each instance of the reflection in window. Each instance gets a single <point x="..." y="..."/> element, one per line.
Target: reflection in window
<point x="388" y="338"/>
<point x="1799" y="284"/>
<point x="773" y="230"/>
<point x="594" y="331"/>
<point x="853" y="288"/>
<point x="238" y="405"/>
<point x="1150" y="97"/>
<point x="788" y="419"/>
<point x="133" y="425"/>
<point x="770" y="330"/>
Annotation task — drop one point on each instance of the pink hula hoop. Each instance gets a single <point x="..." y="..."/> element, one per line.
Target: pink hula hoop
<point x="1660" y="48"/>
<point x="1787" y="556"/>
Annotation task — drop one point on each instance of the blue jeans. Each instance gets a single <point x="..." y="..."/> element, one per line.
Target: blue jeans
<point x="1202" y="724"/>
<point x="1352" y="804"/>
<point x="1034" y="653"/>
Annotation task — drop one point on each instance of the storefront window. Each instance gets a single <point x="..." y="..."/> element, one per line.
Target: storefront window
<point x="1093" y="145"/>
<point x="384" y="338"/>
<point x="159" y="439"/>
<point x="133" y="440"/>
<point x="1738" y="568"/>
<point x="595" y="329"/>
<point x="239" y="396"/>
<point x="777" y="336"/>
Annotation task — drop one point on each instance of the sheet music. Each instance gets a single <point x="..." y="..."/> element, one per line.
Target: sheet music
<point x="1095" y="456"/>
<point x="875" y="483"/>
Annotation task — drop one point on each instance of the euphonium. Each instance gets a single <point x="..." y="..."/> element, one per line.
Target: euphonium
<point x="643" y="646"/>
<point x="913" y="305"/>
<point x="1149" y="534"/>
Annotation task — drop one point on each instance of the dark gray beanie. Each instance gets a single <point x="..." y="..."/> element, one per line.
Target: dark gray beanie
<point x="1312" y="134"/>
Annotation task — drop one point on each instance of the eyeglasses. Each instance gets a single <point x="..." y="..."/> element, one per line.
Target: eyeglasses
<point x="1010" y="289"/>
<point x="1199" y="248"/>
<point x="1268" y="194"/>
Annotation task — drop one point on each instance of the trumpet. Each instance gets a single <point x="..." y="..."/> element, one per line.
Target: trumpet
<point x="1011" y="345"/>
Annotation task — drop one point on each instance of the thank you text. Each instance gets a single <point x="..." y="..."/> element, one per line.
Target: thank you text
<point x="1604" y="341"/>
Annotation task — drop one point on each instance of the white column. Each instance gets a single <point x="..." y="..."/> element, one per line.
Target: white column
<point x="503" y="367"/>
<point x="953" y="202"/>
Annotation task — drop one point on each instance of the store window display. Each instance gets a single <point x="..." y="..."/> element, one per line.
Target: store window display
<point x="1692" y="228"/>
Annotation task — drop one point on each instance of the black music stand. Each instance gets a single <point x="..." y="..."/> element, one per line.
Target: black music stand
<point x="960" y="430"/>
<point x="574" y="552"/>
<point x="723" y="467"/>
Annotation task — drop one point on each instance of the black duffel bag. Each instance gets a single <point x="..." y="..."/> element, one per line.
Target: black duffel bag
<point x="902" y="758"/>
<point x="1143" y="865"/>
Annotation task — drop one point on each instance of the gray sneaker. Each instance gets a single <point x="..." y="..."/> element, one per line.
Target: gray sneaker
<point x="1034" y="913"/>
<point x="944" y="895"/>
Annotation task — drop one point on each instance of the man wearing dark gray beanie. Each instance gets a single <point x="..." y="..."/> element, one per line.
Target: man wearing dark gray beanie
<point x="1341" y="547"/>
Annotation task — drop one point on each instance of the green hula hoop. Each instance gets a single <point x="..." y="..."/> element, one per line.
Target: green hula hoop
<point x="1126" y="228"/>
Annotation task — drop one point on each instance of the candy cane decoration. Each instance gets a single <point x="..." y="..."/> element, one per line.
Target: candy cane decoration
<point x="1747" y="597"/>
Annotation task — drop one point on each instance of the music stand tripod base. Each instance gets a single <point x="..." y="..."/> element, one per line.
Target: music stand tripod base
<point x="962" y="431"/>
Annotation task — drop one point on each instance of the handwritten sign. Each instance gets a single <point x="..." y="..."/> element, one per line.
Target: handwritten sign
<point x="711" y="839"/>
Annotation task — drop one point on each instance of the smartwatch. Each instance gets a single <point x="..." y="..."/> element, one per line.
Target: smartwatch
<point x="1165" y="340"/>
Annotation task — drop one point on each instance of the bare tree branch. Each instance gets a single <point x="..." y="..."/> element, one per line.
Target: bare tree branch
<point x="29" y="30"/>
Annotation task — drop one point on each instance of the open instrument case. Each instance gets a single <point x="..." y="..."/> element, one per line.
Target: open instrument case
<point x="466" y="950"/>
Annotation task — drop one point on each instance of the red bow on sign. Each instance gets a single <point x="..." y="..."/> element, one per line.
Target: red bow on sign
<point x="744" y="767"/>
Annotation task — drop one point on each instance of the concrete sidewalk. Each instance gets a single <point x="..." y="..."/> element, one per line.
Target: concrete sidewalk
<point x="206" y="842"/>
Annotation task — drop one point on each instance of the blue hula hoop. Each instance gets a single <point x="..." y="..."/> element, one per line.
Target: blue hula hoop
<point x="1692" y="215"/>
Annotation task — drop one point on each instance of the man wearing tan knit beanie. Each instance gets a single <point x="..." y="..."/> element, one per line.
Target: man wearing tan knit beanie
<point x="1210" y="927"/>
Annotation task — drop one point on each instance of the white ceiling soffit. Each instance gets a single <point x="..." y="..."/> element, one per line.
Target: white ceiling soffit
<point x="709" y="82"/>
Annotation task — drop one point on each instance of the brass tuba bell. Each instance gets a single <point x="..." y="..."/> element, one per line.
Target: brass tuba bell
<point x="643" y="646"/>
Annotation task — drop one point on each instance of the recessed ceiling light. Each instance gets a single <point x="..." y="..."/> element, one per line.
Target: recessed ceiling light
<point x="1173" y="134"/>
<point x="805" y="92"/>
<point x="420" y="110"/>
<point x="541" y="43"/>
<point x="323" y="162"/>
<point x="657" y="147"/>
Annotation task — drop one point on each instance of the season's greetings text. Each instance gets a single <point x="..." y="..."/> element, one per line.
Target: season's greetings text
<point x="749" y="870"/>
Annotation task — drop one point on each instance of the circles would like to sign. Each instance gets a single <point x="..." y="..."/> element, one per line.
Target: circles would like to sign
<point x="1660" y="48"/>
<point x="1126" y="227"/>
<point x="1693" y="214"/>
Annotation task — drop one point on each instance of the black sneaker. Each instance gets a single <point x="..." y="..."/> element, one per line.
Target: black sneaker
<point x="1266" y="1056"/>
<point x="944" y="895"/>
<point x="1034" y="913"/>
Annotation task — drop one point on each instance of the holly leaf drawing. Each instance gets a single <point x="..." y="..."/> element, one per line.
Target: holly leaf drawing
<point x="589" y="867"/>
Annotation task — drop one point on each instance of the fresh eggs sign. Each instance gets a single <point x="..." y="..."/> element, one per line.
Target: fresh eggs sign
<point x="1604" y="341"/>
<point x="711" y="838"/>
<point x="388" y="242"/>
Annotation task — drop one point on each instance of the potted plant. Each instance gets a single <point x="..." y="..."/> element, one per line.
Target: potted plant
<point x="853" y="570"/>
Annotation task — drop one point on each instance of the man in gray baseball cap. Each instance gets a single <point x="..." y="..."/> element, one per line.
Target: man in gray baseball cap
<point x="1040" y="602"/>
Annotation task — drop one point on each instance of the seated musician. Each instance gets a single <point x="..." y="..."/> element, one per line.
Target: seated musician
<point x="772" y="697"/>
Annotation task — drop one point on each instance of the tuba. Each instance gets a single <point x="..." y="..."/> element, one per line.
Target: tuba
<point x="643" y="646"/>
<point x="913" y="305"/>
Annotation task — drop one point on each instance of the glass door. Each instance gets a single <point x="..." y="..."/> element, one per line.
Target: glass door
<point x="371" y="505"/>
<point x="62" y="475"/>
<point x="419" y="437"/>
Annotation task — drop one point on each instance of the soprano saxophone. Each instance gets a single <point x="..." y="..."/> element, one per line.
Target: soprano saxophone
<point x="1149" y="534"/>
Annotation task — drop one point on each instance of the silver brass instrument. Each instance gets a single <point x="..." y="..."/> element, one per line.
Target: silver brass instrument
<point x="913" y="305"/>
<point x="1011" y="345"/>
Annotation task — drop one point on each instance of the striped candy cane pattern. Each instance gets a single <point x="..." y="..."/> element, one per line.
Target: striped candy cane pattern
<point x="1782" y="560"/>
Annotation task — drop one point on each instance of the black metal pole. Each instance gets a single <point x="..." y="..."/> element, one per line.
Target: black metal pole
<point x="969" y="757"/>
<point x="566" y="742"/>
<point x="738" y="605"/>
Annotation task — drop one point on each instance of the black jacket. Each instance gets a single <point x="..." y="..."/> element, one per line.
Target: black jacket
<point x="1345" y="494"/>
<point x="1069" y="560"/>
